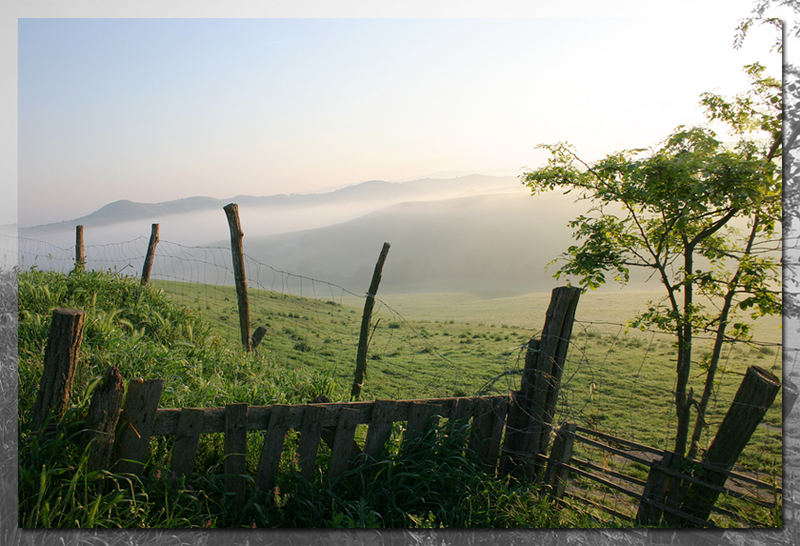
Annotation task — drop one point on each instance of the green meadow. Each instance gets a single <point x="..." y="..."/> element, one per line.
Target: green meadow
<point x="421" y="346"/>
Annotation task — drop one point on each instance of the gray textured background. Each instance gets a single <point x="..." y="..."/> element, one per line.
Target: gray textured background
<point x="9" y="533"/>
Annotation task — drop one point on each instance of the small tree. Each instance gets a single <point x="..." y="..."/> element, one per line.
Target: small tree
<point x="695" y="213"/>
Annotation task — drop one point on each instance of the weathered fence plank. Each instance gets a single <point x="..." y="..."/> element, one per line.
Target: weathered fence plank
<point x="487" y="429"/>
<point x="420" y="418"/>
<point x="560" y="455"/>
<point x="236" y="451"/>
<point x="460" y="413"/>
<point x="137" y="420"/>
<point x="258" y="416"/>
<point x="237" y="253"/>
<point x="380" y="427"/>
<point x="151" y="252"/>
<point x="60" y="361"/>
<point x="342" y="448"/>
<point x="310" y="433"/>
<point x="273" y="446"/>
<point x="102" y="418"/>
<point x="187" y="438"/>
<point x="369" y="303"/>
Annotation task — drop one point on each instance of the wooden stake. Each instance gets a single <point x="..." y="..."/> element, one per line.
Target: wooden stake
<point x="232" y="212"/>
<point x="60" y="361"/>
<point x="80" y="257"/>
<point x="369" y="303"/>
<point x="151" y="251"/>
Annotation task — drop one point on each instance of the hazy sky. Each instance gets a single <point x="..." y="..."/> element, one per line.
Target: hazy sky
<point x="158" y="109"/>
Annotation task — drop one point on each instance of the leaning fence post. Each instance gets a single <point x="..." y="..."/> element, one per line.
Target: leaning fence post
<point x="756" y="393"/>
<point x="80" y="256"/>
<point x="60" y="361"/>
<point x="151" y="251"/>
<point x="528" y="428"/>
<point x="102" y="419"/>
<point x="232" y="212"/>
<point x="361" y="356"/>
<point x="560" y="454"/>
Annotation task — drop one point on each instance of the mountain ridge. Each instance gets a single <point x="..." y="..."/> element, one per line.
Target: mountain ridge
<point x="124" y="210"/>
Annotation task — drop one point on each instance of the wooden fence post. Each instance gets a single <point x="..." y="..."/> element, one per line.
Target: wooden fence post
<point x="60" y="361"/>
<point x="102" y="419"/>
<point x="531" y="414"/>
<point x="136" y="420"/>
<point x="151" y="251"/>
<point x="80" y="256"/>
<point x="232" y="212"/>
<point x="361" y="356"/>
<point x="756" y="393"/>
<point x="648" y="514"/>
<point x="556" y="474"/>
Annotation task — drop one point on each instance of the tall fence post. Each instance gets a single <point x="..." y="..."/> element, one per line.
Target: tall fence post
<point x="531" y="415"/>
<point x="80" y="255"/>
<point x="151" y="251"/>
<point x="756" y="393"/>
<point x="369" y="303"/>
<point x="60" y="361"/>
<point x="232" y="212"/>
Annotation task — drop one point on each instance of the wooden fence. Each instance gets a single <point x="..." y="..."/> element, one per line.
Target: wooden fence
<point x="510" y="434"/>
<point x="568" y="475"/>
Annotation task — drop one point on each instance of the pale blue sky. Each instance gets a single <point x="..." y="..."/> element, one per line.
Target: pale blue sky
<point x="157" y="109"/>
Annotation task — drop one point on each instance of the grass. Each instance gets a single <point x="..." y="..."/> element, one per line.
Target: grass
<point x="188" y="335"/>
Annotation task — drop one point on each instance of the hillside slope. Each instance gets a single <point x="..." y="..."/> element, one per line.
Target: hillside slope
<point x="488" y="244"/>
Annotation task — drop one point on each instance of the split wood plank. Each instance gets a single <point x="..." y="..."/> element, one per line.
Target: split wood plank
<point x="102" y="419"/>
<point x="236" y="451"/>
<point x="273" y="446"/>
<point x="138" y="418"/>
<point x="420" y="418"/>
<point x="342" y="448"/>
<point x="380" y="427"/>
<point x="186" y="440"/>
<point x="310" y="433"/>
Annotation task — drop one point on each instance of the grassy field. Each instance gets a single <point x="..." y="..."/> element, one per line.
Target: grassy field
<point x="421" y="346"/>
<point x="615" y="380"/>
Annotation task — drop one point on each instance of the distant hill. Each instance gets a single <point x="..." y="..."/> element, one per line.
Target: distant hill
<point x="488" y="244"/>
<point x="371" y="191"/>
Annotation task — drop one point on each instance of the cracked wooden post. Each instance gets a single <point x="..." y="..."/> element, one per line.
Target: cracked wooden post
<point x="232" y="212"/>
<point x="361" y="355"/>
<point x="533" y="406"/>
<point x="60" y="361"/>
<point x="151" y="251"/>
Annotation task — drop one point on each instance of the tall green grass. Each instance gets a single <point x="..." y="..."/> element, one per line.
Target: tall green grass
<point x="432" y="482"/>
